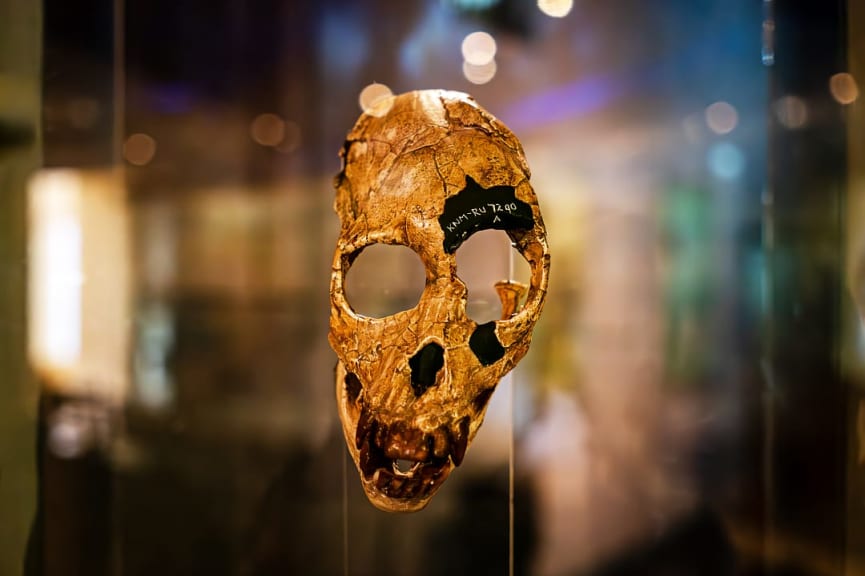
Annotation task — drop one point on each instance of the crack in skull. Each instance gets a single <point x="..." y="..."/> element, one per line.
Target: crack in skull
<point x="413" y="388"/>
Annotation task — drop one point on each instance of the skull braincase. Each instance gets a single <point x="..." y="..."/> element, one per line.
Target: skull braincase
<point x="425" y="170"/>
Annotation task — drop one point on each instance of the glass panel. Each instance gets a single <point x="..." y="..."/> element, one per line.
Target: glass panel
<point x="846" y="87"/>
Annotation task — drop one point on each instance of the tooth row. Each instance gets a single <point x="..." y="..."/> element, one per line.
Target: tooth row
<point x="401" y="441"/>
<point x="416" y="485"/>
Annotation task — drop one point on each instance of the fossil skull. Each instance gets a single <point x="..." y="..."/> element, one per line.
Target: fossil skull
<point x="426" y="169"/>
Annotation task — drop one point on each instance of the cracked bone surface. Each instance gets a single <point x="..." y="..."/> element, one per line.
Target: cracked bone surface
<point x="426" y="170"/>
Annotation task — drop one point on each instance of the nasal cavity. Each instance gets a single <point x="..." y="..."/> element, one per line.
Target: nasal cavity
<point x="424" y="367"/>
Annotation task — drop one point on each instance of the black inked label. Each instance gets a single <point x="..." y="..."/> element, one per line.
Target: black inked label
<point x="477" y="208"/>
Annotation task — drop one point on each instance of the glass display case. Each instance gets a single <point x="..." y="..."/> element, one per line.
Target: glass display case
<point x="693" y="401"/>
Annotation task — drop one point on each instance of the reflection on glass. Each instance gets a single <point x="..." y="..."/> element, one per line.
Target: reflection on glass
<point x="79" y="281"/>
<point x="57" y="271"/>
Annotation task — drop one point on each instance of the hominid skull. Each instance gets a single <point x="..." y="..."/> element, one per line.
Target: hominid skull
<point x="425" y="170"/>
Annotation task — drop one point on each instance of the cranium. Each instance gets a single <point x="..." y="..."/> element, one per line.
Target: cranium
<point x="426" y="169"/>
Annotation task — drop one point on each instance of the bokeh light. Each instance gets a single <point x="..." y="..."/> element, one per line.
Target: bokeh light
<point x="479" y="74"/>
<point x="721" y="117"/>
<point x="726" y="161"/>
<point x="374" y="99"/>
<point x="556" y="8"/>
<point x="139" y="149"/>
<point x="843" y="88"/>
<point x="267" y="129"/>
<point x="479" y="48"/>
<point x="68" y="438"/>
<point x="293" y="138"/>
<point x="791" y="112"/>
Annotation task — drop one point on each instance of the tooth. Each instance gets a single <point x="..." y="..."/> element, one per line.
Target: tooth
<point x="439" y="443"/>
<point x="395" y="486"/>
<point x="411" y="488"/>
<point x="393" y="442"/>
<point x="381" y="435"/>
<point x="460" y="442"/>
<point x="363" y="425"/>
<point x="367" y="465"/>
<point x="421" y="451"/>
<point x="381" y="479"/>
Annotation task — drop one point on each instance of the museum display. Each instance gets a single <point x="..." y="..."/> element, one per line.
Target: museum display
<point x="426" y="170"/>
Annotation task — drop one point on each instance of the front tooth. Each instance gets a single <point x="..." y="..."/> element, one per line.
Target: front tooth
<point x="421" y="452"/>
<point x="439" y="443"/>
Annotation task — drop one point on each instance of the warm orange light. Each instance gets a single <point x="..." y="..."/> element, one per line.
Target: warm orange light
<point x="139" y="149"/>
<point x="78" y="305"/>
<point x="56" y="274"/>
<point x="844" y="88"/>
<point x="267" y="130"/>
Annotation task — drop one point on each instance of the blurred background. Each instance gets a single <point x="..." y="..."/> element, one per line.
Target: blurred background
<point x="694" y="398"/>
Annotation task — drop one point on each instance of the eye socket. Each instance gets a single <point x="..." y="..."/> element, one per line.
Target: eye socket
<point x="485" y="258"/>
<point x="384" y="279"/>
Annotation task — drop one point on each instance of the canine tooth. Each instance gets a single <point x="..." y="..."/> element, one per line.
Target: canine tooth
<point x="367" y="465"/>
<point x="460" y="442"/>
<point x="363" y="425"/>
